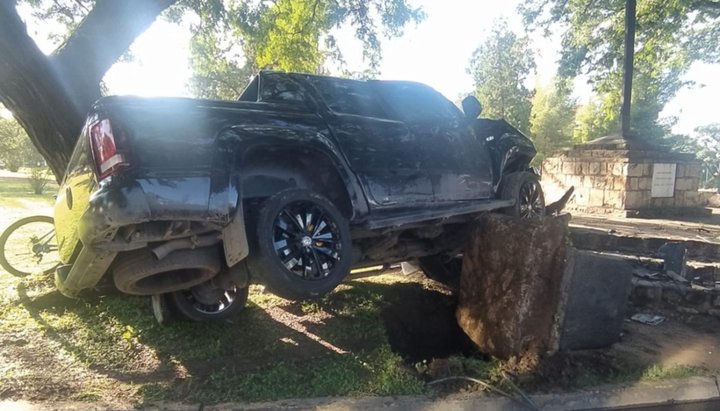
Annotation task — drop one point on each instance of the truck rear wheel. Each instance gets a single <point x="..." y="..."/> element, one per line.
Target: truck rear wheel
<point x="208" y="301"/>
<point x="301" y="248"/>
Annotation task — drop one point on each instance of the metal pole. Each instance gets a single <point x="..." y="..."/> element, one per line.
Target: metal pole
<point x="628" y="67"/>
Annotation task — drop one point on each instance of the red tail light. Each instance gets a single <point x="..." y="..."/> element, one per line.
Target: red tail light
<point x="107" y="157"/>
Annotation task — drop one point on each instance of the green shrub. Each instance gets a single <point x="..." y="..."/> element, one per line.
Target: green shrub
<point x="39" y="179"/>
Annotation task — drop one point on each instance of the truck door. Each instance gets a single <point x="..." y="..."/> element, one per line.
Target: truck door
<point x="456" y="160"/>
<point x="383" y="153"/>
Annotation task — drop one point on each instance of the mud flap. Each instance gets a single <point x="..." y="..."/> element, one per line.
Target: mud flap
<point x="234" y="238"/>
<point x="84" y="273"/>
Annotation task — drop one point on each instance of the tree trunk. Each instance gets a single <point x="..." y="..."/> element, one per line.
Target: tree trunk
<point x="50" y="95"/>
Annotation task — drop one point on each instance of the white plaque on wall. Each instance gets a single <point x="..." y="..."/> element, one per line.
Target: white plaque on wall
<point x="663" y="180"/>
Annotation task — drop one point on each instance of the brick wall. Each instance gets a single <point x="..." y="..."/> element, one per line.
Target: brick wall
<point x="615" y="181"/>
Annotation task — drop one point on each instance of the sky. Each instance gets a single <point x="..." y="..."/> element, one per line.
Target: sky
<point x="436" y="52"/>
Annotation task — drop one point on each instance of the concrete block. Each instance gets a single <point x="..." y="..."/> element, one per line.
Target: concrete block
<point x="692" y="199"/>
<point x="674" y="256"/>
<point x="680" y="170"/>
<point x="568" y="168"/>
<point x="692" y="171"/>
<point x="620" y="169"/>
<point x="646" y="169"/>
<point x="597" y="300"/>
<point x="619" y="182"/>
<point x="632" y="183"/>
<point x="644" y="183"/>
<point x="635" y="170"/>
<point x="634" y="199"/>
<point x="683" y="184"/>
<point x="601" y="182"/>
<point x="594" y="168"/>
<point x="614" y="198"/>
<point x="597" y="197"/>
<point x="582" y="196"/>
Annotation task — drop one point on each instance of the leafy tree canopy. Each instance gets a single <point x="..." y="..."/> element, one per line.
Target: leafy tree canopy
<point x="234" y="40"/>
<point x="16" y="149"/>
<point x="670" y="36"/>
<point x="500" y="67"/>
<point x="50" y="94"/>
<point x="551" y="120"/>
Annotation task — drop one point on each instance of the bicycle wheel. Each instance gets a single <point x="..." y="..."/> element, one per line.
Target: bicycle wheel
<point x="29" y="246"/>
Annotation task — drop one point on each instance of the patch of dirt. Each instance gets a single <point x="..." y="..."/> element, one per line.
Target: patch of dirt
<point x="692" y="340"/>
<point x="421" y="324"/>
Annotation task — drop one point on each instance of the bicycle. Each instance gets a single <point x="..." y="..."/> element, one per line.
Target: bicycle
<point x="29" y="246"/>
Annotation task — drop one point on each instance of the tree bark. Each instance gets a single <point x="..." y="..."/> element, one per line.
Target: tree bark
<point x="50" y="95"/>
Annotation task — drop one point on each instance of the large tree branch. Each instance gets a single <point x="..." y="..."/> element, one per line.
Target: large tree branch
<point x="105" y="34"/>
<point x="50" y="96"/>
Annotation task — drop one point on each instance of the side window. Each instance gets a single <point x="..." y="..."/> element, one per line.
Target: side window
<point x="276" y="88"/>
<point x="415" y="102"/>
<point x="79" y="162"/>
<point x="251" y="91"/>
<point x="348" y="97"/>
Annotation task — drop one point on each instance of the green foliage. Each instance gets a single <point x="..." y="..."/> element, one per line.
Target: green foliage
<point x="16" y="149"/>
<point x="236" y="38"/>
<point x="551" y="121"/>
<point x="39" y="179"/>
<point x="591" y="122"/>
<point x="499" y="68"/>
<point x="670" y="36"/>
<point x="706" y="147"/>
<point x="233" y="39"/>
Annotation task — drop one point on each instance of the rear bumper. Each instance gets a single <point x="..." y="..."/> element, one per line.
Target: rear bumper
<point x="117" y="204"/>
<point x="123" y="216"/>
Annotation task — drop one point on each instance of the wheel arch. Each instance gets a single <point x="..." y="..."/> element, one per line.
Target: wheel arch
<point x="264" y="170"/>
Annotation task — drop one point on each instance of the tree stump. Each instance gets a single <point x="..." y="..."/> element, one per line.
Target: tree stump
<point x="513" y="289"/>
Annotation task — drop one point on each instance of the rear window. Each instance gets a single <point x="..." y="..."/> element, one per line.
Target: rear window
<point x="349" y="96"/>
<point x="276" y="88"/>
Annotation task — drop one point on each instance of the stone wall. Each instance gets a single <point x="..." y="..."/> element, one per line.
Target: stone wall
<point x="618" y="180"/>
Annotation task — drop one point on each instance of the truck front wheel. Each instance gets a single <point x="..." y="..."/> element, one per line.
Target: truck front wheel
<point x="301" y="248"/>
<point x="523" y="187"/>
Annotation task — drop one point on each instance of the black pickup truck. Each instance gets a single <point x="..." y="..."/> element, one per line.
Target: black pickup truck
<point x="300" y="180"/>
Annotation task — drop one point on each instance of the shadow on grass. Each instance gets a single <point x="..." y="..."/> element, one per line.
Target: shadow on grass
<point x="335" y="346"/>
<point x="367" y="337"/>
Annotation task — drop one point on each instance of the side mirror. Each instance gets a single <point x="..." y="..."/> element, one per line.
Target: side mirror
<point x="471" y="107"/>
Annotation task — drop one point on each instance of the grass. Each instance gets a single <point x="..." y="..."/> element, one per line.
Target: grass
<point x="109" y="348"/>
<point x="16" y="193"/>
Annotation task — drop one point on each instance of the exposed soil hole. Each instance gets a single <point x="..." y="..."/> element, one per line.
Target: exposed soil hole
<point x="420" y="324"/>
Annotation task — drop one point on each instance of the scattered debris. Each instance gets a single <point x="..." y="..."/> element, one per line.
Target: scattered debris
<point x="649" y="319"/>
<point x="643" y="272"/>
<point x="409" y="268"/>
<point x="675" y="276"/>
<point x="557" y="207"/>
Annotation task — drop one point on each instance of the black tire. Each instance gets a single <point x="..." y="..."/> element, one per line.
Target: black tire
<point x="309" y="261"/>
<point x="140" y="273"/>
<point x="442" y="268"/>
<point x="523" y="187"/>
<point x="31" y="251"/>
<point x="207" y="302"/>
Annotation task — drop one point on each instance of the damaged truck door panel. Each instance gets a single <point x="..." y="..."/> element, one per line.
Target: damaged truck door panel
<point x="301" y="179"/>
